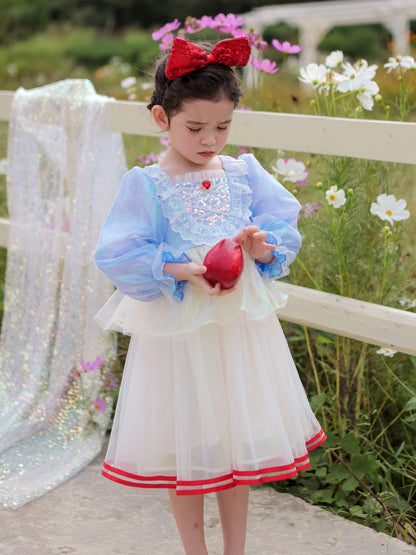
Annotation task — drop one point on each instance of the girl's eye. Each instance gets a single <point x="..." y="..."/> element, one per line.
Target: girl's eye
<point x="222" y="128"/>
<point x="194" y="130"/>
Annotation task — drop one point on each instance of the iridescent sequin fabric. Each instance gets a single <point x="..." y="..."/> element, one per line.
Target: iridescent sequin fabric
<point x="64" y="168"/>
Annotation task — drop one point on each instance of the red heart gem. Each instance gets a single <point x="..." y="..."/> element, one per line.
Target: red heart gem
<point x="206" y="184"/>
<point x="224" y="263"/>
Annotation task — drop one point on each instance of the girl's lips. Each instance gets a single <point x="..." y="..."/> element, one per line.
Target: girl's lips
<point x="207" y="153"/>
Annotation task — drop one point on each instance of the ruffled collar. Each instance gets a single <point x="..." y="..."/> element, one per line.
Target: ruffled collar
<point x="205" y="215"/>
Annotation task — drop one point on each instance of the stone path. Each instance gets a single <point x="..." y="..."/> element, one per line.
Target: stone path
<point x="89" y="515"/>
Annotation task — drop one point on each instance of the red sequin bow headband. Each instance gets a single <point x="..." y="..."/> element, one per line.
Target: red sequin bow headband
<point x="186" y="56"/>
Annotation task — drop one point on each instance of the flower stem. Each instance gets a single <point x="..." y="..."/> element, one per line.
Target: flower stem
<point x="315" y="372"/>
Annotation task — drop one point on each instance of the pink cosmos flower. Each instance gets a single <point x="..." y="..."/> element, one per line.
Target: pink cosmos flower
<point x="265" y="65"/>
<point x="256" y="41"/>
<point x="206" y="21"/>
<point x="237" y="32"/>
<point x="308" y="209"/>
<point x="166" y="42"/>
<point x="286" y="47"/>
<point x="90" y="366"/>
<point x="172" y="26"/>
<point x="110" y="380"/>
<point x="192" y="25"/>
<point x="165" y="141"/>
<point x="147" y="159"/>
<point x="228" y="23"/>
<point x="100" y="404"/>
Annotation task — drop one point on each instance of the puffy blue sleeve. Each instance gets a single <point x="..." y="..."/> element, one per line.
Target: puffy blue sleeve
<point x="275" y="210"/>
<point x="130" y="250"/>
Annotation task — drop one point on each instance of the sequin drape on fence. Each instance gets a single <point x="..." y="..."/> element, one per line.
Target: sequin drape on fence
<point x="64" y="168"/>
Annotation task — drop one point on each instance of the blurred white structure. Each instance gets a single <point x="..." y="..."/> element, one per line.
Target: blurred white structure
<point x="315" y="19"/>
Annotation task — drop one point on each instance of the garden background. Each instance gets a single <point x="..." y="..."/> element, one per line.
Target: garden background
<point x="365" y="397"/>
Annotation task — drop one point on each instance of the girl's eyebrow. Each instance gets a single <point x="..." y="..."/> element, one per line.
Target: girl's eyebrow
<point x="205" y="123"/>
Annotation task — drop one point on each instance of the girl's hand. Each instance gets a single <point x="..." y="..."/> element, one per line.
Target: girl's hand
<point x="193" y="272"/>
<point x="252" y="240"/>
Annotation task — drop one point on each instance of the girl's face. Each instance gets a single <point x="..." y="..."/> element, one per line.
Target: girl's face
<point x="198" y="132"/>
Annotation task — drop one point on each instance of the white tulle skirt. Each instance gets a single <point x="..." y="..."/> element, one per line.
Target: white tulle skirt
<point x="213" y="405"/>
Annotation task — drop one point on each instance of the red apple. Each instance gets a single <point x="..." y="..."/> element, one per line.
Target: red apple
<point x="224" y="263"/>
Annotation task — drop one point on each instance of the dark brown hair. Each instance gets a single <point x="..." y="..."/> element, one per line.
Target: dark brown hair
<point x="208" y="83"/>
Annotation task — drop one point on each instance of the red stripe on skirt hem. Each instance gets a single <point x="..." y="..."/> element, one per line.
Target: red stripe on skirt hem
<point x="237" y="478"/>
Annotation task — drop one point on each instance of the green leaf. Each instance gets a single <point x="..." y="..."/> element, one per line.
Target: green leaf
<point x="349" y="485"/>
<point x="411" y="418"/>
<point x="350" y="444"/>
<point x="322" y="496"/>
<point x="341" y="499"/>
<point x="321" y="472"/>
<point x="411" y="404"/>
<point x="316" y="401"/>
<point x="381" y="525"/>
<point x="396" y="502"/>
<point x="364" y="464"/>
<point x="331" y="440"/>
<point x="400" y="449"/>
<point x="357" y="511"/>
<point x="337" y="473"/>
<point x="322" y="339"/>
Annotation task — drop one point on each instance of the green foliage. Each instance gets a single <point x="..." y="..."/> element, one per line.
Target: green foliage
<point x="21" y="18"/>
<point x="137" y="49"/>
<point x="64" y="52"/>
<point x="357" y="41"/>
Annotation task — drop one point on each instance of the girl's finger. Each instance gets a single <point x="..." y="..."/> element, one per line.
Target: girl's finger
<point x="260" y="235"/>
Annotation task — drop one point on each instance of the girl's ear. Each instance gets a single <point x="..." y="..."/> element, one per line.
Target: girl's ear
<point x="160" y="117"/>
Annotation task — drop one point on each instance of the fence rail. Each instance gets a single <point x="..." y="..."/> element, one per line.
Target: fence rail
<point x="375" y="140"/>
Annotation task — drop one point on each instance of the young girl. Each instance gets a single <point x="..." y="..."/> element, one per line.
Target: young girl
<point x="210" y="400"/>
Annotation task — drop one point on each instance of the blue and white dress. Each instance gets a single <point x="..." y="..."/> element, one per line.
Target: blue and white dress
<point x="210" y="396"/>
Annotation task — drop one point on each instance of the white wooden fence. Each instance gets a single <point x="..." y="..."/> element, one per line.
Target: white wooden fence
<point x="375" y="140"/>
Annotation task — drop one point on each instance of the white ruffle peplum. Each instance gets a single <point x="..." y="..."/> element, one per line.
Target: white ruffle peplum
<point x="165" y="317"/>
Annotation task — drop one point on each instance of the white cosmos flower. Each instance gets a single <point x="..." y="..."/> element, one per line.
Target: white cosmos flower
<point x="128" y="82"/>
<point x="314" y="75"/>
<point x="292" y="170"/>
<point x="335" y="197"/>
<point x="406" y="303"/>
<point x="334" y="59"/>
<point x="355" y="76"/>
<point x="405" y="62"/>
<point x="386" y="351"/>
<point x="366" y="94"/>
<point x="390" y="209"/>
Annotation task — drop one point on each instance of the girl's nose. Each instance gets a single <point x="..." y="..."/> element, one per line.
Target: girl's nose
<point x="208" y="139"/>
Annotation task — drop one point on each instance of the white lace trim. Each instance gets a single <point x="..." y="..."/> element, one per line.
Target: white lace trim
<point x="215" y="226"/>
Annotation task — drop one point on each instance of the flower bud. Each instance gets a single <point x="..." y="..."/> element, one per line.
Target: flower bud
<point x="378" y="97"/>
<point x="350" y="191"/>
<point x="319" y="184"/>
<point x="313" y="102"/>
<point x="295" y="192"/>
<point x="386" y="229"/>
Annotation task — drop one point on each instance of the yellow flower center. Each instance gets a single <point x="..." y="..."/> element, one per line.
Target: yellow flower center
<point x="389" y="212"/>
<point x="332" y="197"/>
